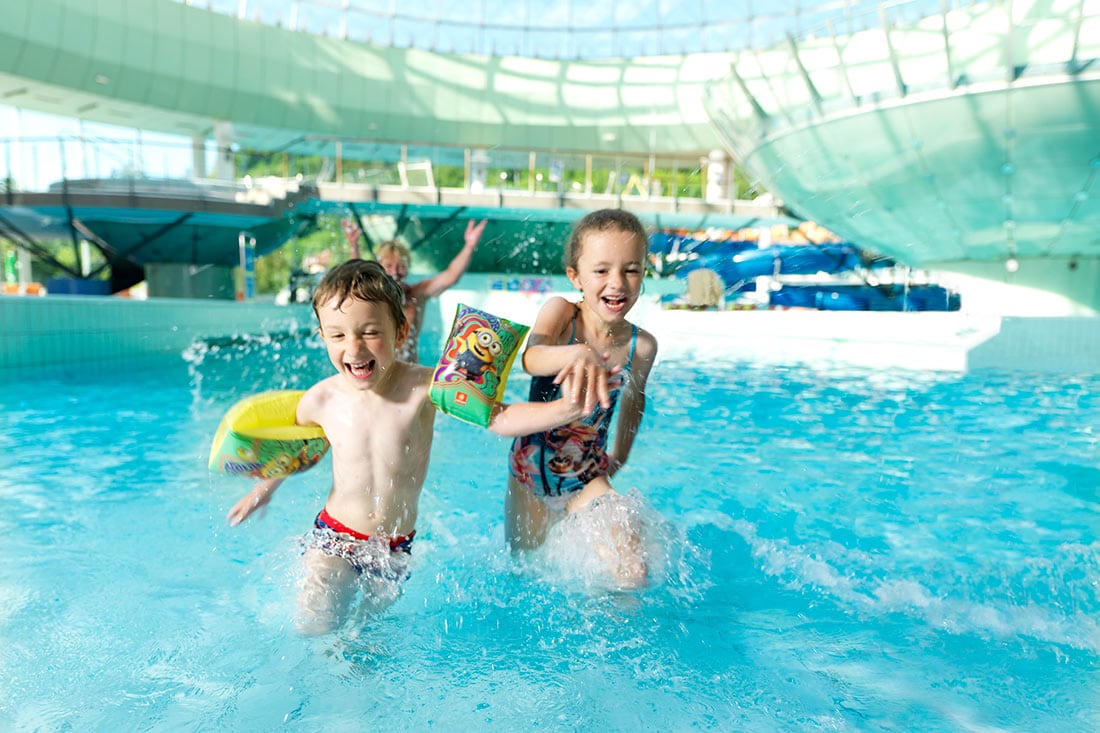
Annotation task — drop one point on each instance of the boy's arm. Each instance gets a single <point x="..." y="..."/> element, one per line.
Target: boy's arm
<point x="546" y="355"/>
<point x="436" y="284"/>
<point x="525" y="418"/>
<point x="253" y="500"/>
<point x="633" y="401"/>
<point x="261" y="493"/>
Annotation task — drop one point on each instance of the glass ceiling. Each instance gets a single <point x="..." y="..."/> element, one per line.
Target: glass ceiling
<point x="571" y="29"/>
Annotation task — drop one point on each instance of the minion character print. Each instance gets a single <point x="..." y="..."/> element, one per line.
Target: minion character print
<point x="470" y="376"/>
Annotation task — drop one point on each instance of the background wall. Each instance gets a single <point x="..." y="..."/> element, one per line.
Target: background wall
<point x="37" y="333"/>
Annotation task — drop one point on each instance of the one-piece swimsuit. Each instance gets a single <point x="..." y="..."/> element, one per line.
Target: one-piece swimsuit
<point x="556" y="463"/>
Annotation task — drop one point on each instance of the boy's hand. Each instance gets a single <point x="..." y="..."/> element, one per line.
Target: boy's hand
<point x="574" y="399"/>
<point x="589" y="372"/>
<point x="253" y="500"/>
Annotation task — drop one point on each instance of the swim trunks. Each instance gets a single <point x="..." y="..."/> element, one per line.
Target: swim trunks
<point x="381" y="558"/>
<point x="398" y="543"/>
<point x="559" y="462"/>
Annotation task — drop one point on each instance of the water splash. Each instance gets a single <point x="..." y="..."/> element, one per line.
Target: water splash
<point x="580" y="550"/>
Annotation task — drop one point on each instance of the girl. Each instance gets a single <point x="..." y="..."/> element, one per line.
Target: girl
<point x="565" y="471"/>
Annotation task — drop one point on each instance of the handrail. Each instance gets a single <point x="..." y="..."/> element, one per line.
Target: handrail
<point x="96" y="163"/>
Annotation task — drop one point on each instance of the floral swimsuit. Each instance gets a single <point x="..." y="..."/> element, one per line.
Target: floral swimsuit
<point x="559" y="462"/>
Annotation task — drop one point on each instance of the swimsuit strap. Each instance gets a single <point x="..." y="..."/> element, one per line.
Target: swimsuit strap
<point x="573" y="329"/>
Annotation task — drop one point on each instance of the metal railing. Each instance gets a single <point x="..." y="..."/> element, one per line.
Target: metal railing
<point x="177" y="167"/>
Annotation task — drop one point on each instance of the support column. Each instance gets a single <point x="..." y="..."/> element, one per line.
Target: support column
<point x="198" y="156"/>
<point x="85" y="258"/>
<point x="223" y="138"/>
<point x="479" y="170"/>
<point x="717" y="177"/>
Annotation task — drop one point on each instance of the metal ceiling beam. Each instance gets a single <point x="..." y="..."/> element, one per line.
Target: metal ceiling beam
<point x="144" y="241"/>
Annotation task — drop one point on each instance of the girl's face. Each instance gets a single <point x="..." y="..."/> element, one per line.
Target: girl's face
<point x="609" y="272"/>
<point x="360" y="337"/>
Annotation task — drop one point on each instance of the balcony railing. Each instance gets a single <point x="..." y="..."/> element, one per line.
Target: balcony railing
<point x="354" y="171"/>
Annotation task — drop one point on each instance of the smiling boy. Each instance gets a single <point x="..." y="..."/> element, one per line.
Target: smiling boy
<point x="378" y="417"/>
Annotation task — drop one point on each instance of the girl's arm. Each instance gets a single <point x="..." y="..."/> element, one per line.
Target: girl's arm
<point x="633" y="401"/>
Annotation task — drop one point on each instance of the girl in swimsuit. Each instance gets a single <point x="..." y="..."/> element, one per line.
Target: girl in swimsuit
<point x="567" y="470"/>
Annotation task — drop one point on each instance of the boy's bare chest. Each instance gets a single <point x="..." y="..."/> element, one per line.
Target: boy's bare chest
<point x="382" y="429"/>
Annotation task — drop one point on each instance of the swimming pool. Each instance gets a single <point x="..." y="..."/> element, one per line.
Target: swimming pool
<point x="846" y="550"/>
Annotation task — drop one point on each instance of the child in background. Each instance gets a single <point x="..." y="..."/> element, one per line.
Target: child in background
<point x="395" y="256"/>
<point x="566" y="470"/>
<point x="377" y="416"/>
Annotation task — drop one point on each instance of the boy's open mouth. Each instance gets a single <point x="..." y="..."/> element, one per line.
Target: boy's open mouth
<point x="361" y="370"/>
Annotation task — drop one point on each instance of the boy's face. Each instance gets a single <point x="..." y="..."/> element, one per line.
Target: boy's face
<point x="360" y="337"/>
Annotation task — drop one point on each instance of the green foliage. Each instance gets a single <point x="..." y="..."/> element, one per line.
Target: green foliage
<point x="273" y="269"/>
<point x="63" y="251"/>
<point x="449" y="176"/>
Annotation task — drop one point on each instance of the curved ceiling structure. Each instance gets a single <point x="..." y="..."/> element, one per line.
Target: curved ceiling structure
<point x="165" y="66"/>
<point x="967" y="140"/>
<point x="949" y="134"/>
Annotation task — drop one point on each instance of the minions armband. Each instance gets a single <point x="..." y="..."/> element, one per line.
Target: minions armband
<point x="470" y="377"/>
<point x="258" y="437"/>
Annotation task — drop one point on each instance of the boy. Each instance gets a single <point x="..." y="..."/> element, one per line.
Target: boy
<point x="378" y="418"/>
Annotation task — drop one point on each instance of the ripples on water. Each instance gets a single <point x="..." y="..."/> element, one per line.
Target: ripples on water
<point x="833" y="549"/>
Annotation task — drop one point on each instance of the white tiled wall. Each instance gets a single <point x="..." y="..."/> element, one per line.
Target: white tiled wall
<point x="38" y="332"/>
<point x="91" y="332"/>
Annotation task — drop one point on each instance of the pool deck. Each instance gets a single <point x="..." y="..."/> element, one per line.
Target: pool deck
<point x="954" y="341"/>
<point x="38" y="333"/>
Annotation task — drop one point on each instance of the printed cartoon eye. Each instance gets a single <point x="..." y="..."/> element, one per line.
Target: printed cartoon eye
<point x="485" y="339"/>
<point x="495" y="348"/>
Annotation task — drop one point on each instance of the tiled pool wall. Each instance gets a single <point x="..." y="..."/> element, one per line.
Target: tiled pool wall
<point x="97" y="333"/>
<point x="37" y="333"/>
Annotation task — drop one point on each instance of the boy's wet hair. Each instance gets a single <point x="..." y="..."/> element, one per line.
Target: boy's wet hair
<point x="601" y="221"/>
<point x="364" y="280"/>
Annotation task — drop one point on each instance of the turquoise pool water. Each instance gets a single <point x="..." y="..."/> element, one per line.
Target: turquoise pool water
<point x="844" y="550"/>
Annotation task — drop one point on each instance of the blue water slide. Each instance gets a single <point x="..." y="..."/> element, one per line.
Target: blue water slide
<point x="736" y="268"/>
<point x="669" y="244"/>
<point x="866" y="297"/>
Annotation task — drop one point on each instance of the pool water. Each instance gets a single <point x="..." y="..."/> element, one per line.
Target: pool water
<point x="841" y="549"/>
